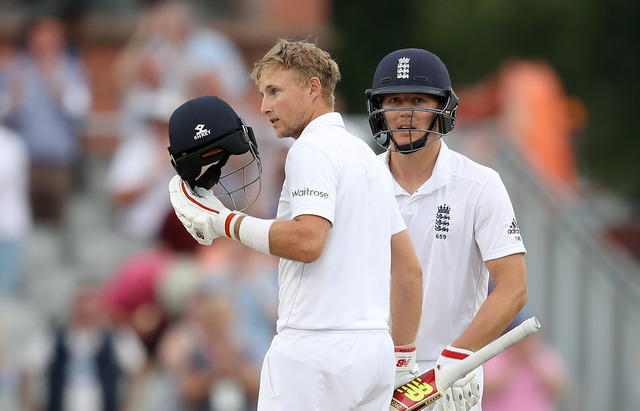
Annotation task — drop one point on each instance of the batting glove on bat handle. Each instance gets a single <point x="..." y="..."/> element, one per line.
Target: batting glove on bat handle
<point x="198" y="212"/>
<point x="406" y="365"/>
<point x="464" y="393"/>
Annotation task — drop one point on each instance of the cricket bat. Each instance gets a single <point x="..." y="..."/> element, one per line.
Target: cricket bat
<point x="424" y="390"/>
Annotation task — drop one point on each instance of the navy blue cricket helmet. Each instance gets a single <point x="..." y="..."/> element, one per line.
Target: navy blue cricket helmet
<point x="417" y="71"/>
<point x="204" y="134"/>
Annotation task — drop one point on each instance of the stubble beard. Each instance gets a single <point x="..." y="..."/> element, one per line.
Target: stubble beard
<point x="290" y="130"/>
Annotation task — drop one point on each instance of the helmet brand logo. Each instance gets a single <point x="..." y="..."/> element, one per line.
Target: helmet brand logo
<point x="201" y="132"/>
<point x="403" y="67"/>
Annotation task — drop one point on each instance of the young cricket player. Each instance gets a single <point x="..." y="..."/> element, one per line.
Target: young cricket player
<point x="458" y="213"/>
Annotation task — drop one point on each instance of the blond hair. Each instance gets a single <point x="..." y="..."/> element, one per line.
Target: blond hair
<point x="307" y="60"/>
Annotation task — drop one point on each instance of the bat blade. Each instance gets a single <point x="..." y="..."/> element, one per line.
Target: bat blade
<point x="425" y="389"/>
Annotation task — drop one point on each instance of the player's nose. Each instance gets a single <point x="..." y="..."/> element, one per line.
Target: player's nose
<point x="265" y="107"/>
<point x="405" y="113"/>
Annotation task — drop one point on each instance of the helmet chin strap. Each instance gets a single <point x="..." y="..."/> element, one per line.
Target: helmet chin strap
<point x="413" y="145"/>
<point x="417" y="145"/>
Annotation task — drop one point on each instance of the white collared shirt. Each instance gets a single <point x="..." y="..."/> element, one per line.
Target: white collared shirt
<point x="335" y="175"/>
<point x="459" y="218"/>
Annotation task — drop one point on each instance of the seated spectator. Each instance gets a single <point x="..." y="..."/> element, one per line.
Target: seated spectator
<point x="82" y="363"/>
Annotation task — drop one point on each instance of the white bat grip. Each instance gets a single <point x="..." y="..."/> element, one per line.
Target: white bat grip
<point x="452" y="373"/>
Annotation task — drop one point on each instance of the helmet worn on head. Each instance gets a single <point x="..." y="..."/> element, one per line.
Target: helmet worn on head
<point x="205" y="134"/>
<point x="411" y="71"/>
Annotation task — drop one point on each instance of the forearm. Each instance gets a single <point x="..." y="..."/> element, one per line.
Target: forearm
<point x="406" y="290"/>
<point x="501" y="306"/>
<point x="295" y="239"/>
<point x="406" y="294"/>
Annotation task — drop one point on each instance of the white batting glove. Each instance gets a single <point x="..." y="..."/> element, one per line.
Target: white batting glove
<point x="201" y="213"/>
<point x="406" y="365"/>
<point x="464" y="393"/>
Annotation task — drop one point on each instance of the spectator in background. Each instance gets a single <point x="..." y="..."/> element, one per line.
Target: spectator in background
<point x="139" y="95"/>
<point x="156" y="292"/>
<point x="84" y="363"/>
<point x="249" y="278"/>
<point x="47" y="101"/>
<point x="133" y="293"/>
<point x="140" y="172"/>
<point x="130" y="294"/>
<point x="192" y="58"/>
<point x="529" y="376"/>
<point x="200" y="353"/>
<point x="173" y="50"/>
<point x="15" y="218"/>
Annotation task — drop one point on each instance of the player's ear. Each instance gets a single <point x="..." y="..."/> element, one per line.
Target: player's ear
<point x="314" y="86"/>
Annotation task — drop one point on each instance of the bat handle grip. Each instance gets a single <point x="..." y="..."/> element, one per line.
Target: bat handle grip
<point x="452" y="373"/>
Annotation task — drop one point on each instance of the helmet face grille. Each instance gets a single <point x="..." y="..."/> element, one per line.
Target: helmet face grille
<point x="240" y="184"/>
<point x="383" y="133"/>
<point x="411" y="71"/>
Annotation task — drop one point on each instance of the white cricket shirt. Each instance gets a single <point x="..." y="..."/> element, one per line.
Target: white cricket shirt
<point x="459" y="218"/>
<point x="334" y="174"/>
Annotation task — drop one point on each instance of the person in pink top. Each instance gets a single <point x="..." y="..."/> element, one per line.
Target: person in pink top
<point x="529" y="376"/>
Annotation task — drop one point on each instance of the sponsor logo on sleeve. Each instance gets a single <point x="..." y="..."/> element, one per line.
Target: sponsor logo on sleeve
<point x="514" y="230"/>
<point x="309" y="192"/>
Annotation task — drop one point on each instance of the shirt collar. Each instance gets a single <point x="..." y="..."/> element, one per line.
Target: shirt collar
<point x="329" y="119"/>
<point x="441" y="171"/>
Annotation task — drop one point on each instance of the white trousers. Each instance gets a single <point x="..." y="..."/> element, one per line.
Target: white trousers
<point x="328" y="370"/>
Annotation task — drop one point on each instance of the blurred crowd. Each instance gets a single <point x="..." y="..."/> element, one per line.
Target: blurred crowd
<point x="175" y="326"/>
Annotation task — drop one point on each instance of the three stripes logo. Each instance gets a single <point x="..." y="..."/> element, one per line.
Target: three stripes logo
<point x="514" y="230"/>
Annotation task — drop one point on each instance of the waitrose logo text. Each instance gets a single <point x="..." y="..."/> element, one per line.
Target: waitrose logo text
<point x="309" y="192"/>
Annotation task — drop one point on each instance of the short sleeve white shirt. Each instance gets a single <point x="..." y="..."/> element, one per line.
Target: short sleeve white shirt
<point x="335" y="175"/>
<point x="458" y="219"/>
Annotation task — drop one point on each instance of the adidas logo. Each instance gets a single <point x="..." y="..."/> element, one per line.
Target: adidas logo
<point x="513" y="227"/>
<point x="515" y="230"/>
<point x="201" y="132"/>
